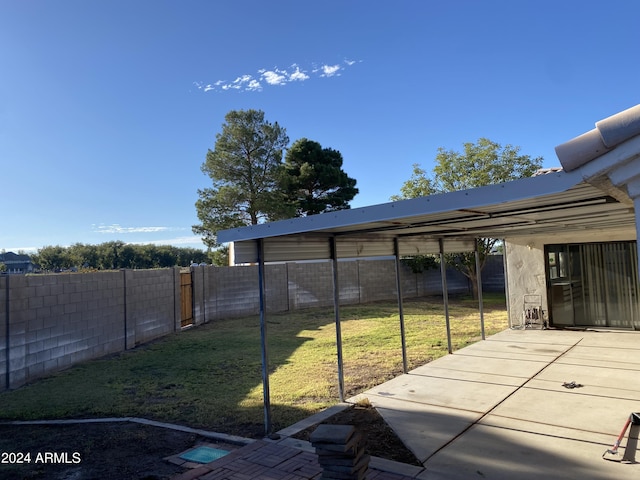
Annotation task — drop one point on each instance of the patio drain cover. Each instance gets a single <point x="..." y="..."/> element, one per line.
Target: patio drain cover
<point x="203" y="454"/>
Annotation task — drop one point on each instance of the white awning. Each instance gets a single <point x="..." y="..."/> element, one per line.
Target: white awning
<point x="554" y="203"/>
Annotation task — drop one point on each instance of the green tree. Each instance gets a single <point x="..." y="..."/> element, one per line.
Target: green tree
<point x="84" y="256"/>
<point x="3" y="267"/>
<point x="418" y="185"/>
<point x="219" y="256"/>
<point x="54" y="258"/>
<point x="314" y="180"/>
<point x="482" y="163"/>
<point x="245" y="167"/>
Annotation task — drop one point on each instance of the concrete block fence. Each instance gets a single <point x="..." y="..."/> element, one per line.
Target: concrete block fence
<point x="233" y="291"/>
<point x="50" y="322"/>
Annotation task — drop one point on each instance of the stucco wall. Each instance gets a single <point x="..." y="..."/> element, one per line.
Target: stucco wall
<point x="525" y="274"/>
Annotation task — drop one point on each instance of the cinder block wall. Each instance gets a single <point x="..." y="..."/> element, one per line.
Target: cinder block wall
<point x="310" y="285"/>
<point x="348" y="283"/>
<point x="276" y="291"/>
<point x="58" y="320"/>
<point x="200" y="282"/>
<point x="234" y="291"/>
<point x="377" y="280"/>
<point x="457" y="283"/>
<point x="150" y="304"/>
<point x="3" y="329"/>
<point x="55" y="321"/>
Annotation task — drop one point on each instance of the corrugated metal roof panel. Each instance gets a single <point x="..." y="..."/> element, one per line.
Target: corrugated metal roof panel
<point x="546" y="204"/>
<point x="296" y="249"/>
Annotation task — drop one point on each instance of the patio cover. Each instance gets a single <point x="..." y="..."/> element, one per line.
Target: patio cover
<point x="597" y="191"/>
<point x="545" y="204"/>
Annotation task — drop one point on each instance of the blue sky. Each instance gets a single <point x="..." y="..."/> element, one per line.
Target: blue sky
<point x="107" y="108"/>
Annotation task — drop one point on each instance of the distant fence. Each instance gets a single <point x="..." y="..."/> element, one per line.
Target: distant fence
<point x="50" y="322"/>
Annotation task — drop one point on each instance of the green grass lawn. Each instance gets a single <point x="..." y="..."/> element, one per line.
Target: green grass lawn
<point x="210" y="376"/>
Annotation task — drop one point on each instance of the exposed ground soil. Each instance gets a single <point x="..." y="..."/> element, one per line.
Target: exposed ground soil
<point x="116" y="451"/>
<point x="106" y="451"/>
<point x="380" y="440"/>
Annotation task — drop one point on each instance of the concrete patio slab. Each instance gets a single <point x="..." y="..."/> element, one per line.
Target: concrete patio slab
<point x="462" y="394"/>
<point x="460" y="364"/>
<point x="519" y="346"/>
<point x="616" y="357"/>
<point x="507" y="453"/>
<point x="600" y="381"/>
<point x="568" y="409"/>
<point x="499" y="409"/>
<point x="471" y="376"/>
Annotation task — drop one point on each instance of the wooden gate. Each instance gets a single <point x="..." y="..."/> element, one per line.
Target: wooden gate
<point x="186" y="299"/>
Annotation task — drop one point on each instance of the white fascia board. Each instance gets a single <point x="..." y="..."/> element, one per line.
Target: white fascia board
<point x="625" y="173"/>
<point x="446" y="202"/>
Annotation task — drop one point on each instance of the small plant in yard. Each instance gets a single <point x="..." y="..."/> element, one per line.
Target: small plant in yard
<point x="210" y="376"/>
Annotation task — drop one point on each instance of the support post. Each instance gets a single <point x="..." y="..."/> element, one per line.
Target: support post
<point x="636" y="205"/>
<point x="263" y="341"/>
<point x="124" y="309"/>
<point x="7" y="332"/>
<point x="445" y="293"/>
<point x="506" y="281"/>
<point x="336" y="309"/>
<point x="396" y="252"/>
<point x="479" y="280"/>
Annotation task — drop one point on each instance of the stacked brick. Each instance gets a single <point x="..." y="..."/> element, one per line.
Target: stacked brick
<point x="340" y="451"/>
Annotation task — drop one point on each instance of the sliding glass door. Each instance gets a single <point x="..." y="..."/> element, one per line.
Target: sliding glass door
<point x="593" y="284"/>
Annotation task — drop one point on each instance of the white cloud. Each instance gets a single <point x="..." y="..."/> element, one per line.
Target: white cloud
<point x="190" y="241"/>
<point x="330" y="70"/>
<point x="298" y="75"/>
<point x="275" y="77"/>
<point x="116" y="228"/>
<point x="254" y="85"/>
<point x="27" y="250"/>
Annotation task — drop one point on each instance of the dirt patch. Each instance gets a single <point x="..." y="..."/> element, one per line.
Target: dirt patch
<point x="380" y="440"/>
<point x="105" y="451"/>
<point x="115" y="451"/>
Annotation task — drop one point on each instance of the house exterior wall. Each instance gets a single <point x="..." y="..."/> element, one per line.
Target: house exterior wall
<point x="525" y="265"/>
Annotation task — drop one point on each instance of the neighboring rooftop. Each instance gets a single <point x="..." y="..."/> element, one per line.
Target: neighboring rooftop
<point x="546" y="171"/>
<point x="17" y="262"/>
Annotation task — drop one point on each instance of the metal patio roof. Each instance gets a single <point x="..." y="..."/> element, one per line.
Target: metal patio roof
<point x="597" y="191"/>
<point x="547" y="204"/>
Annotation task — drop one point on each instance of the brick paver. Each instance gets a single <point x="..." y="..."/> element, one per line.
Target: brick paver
<point x="269" y="461"/>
